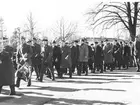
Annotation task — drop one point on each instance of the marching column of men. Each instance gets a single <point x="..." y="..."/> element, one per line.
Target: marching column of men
<point x="46" y="58"/>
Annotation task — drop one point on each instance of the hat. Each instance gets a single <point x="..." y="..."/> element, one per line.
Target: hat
<point x="34" y="38"/>
<point x="106" y="40"/>
<point x="54" y="42"/>
<point x="96" y="42"/>
<point x="92" y="44"/>
<point x="29" y="41"/>
<point x="4" y="38"/>
<point x="45" y="40"/>
<point x="76" y="41"/>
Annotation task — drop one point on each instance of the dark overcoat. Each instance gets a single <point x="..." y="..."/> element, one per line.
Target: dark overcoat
<point x="56" y="55"/>
<point x="74" y="54"/>
<point x="66" y="57"/>
<point x="7" y="71"/>
<point x="98" y="55"/>
<point x="36" y="57"/>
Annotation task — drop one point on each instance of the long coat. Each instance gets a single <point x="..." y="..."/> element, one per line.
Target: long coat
<point x="36" y="57"/>
<point x="7" y="71"/>
<point x="83" y="53"/>
<point x="98" y="55"/>
<point x="107" y="50"/>
<point x="56" y="55"/>
<point x="66" y="57"/>
<point x="137" y="48"/>
<point x="75" y="54"/>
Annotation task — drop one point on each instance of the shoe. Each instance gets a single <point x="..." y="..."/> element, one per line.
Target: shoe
<point x="16" y="85"/>
<point x="101" y="71"/>
<point x="13" y="93"/>
<point x="138" y="70"/>
<point x="29" y="85"/>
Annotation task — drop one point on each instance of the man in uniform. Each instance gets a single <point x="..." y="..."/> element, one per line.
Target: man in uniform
<point x="26" y="53"/>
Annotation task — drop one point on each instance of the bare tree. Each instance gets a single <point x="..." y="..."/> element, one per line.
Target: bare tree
<point x="30" y="26"/>
<point x="2" y="28"/>
<point x="123" y="14"/>
<point x="63" y="31"/>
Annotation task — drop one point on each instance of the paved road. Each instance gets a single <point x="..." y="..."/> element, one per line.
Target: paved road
<point x="110" y="88"/>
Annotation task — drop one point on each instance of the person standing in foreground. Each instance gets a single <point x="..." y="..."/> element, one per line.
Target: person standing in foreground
<point x="137" y="52"/>
<point x="7" y="71"/>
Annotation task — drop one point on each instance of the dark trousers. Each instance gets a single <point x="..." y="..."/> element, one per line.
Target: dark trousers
<point x="46" y="68"/>
<point x="74" y="65"/>
<point x="108" y="66"/>
<point x="98" y="66"/>
<point x="138" y="62"/>
<point x="37" y="70"/>
<point x="90" y="64"/>
<point x="83" y="67"/>
<point x="12" y="88"/>
<point x="57" y="67"/>
<point x="126" y="61"/>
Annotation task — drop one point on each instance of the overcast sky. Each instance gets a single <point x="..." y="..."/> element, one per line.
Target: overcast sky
<point x="46" y="13"/>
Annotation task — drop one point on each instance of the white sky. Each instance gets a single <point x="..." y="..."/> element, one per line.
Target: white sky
<point x="46" y="13"/>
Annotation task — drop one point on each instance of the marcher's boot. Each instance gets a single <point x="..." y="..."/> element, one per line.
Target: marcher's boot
<point x="29" y="82"/>
<point x="0" y="89"/>
<point x="18" y="82"/>
<point x="12" y="88"/>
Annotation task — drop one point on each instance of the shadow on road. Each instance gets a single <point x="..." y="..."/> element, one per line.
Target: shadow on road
<point x="63" y="101"/>
<point x="106" y="89"/>
<point x="50" y="88"/>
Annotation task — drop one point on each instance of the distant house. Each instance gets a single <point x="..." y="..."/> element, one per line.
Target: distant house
<point x="99" y="39"/>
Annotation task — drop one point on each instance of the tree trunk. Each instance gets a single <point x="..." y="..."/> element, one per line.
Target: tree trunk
<point x="132" y="33"/>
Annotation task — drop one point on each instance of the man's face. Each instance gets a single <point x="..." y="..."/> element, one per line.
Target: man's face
<point x="23" y="41"/>
<point x="46" y="42"/>
<point x="5" y="43"/>
<point x="34" y="41"/>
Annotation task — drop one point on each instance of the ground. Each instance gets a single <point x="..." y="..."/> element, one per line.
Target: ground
<point x="120" y="87"/>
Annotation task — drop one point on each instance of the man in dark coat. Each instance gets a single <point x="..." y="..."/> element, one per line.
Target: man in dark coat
<point x="137" y="52"/>
<point x="117" y="55"/>
<point x="26" y="53"/>
<point x="74" y="55"/>
<point x="126" y="55"/>
<point x="83" y="57"/>
<point x="7" y="71"/>
<point x="36" y="57"/>
<point x="47" y="60"/>
<point x="90" y="57"/>
<point x="98" y="57"/>
<point x="66" y="59"/>
<point x="56" y="57"/>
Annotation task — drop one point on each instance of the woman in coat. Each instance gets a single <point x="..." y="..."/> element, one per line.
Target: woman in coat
<point x="7" y="71"/>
